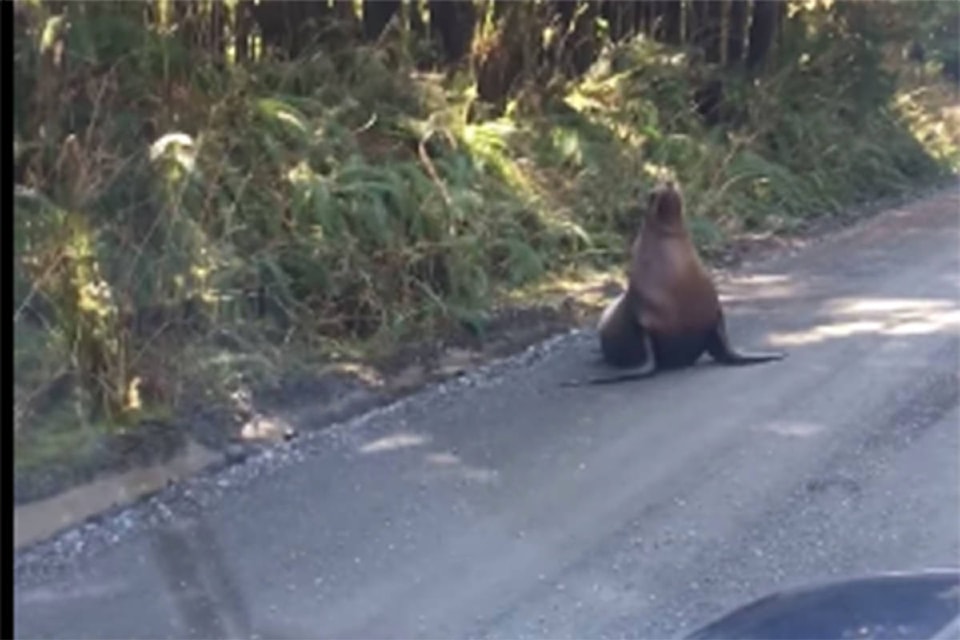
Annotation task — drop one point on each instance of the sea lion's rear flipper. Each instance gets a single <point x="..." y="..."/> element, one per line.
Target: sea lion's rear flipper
<point x="647" y="369"/>
<point x="720" y="349"/>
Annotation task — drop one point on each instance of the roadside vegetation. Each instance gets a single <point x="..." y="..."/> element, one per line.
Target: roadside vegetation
<point x="211" y="194"/>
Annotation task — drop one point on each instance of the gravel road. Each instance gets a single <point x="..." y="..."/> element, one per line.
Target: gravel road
<point x="506" y="506"/>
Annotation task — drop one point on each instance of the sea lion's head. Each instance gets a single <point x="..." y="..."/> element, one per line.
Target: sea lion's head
<point x="665" y="207"/>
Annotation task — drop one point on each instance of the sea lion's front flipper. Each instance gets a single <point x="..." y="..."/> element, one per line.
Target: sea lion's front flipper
<point x="647" y="369"/>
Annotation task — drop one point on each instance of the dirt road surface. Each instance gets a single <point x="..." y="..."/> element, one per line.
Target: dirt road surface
<point x="507" y="506"/>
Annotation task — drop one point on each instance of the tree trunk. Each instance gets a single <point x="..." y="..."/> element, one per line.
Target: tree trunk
<point x="286" y="25"/>
<point x="736" y="32"/>
<point x="706" y="24"/>
<point x="453" y="21"/>
<point x="506" y="54"/>
<point x="696" y="16"/>
<point x="642" y="15"/>
<point x="584" y="46"/>
<point x="313" y="16"/>
<point x="564" y="10"/>
<point x="273" y="18"/>
<point x="241" y="31"/>
<point x="619" y="14"/>
<point x="500" y="8"/>
<point x="215" y="30"/>
<point x="647" y="16"/>
<point x="415" y="19"/>
<point x="182" y="13"/>
<point x="345" y="15"/>
<point x="763" y="26"/>
<point x="376" y="15"/>
<point x="672" y="27"/>
<point x="713" y="32"/>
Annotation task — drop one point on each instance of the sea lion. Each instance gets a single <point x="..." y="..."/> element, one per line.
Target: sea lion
<point x="670" y="313"/>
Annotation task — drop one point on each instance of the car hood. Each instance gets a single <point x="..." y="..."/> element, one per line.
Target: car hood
<point x="889" y="606"/>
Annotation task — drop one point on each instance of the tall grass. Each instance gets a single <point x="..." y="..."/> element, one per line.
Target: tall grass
<point x="167" y="206"/>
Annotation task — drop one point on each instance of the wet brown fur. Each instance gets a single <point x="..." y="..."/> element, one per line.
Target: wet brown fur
<point x="675" y="293"/>
<point x="670" y="313"/>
